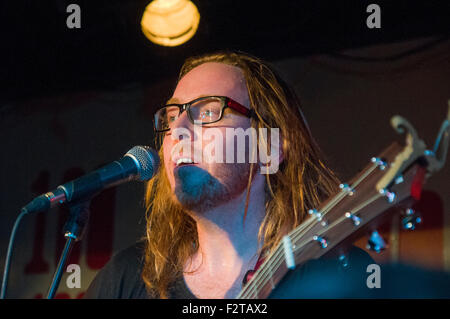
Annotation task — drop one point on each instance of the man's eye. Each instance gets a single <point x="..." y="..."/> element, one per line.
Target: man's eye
<point x="171" y="116"/>
<point x="209" y="113"/>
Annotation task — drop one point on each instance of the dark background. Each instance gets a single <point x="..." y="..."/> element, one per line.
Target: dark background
<point x="74" y="99"/>
<point x="41" y="56"/>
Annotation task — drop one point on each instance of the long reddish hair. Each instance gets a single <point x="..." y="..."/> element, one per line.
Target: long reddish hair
<point x="302" y="182"/>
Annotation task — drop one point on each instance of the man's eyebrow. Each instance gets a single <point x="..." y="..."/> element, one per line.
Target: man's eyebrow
<point x="174" y="100"/>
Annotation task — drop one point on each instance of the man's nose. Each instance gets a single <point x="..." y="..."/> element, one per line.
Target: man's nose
<point x="182" y="127"/>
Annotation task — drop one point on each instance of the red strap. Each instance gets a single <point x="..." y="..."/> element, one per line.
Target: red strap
<point x="249" y="274"/>
<point x="417" y="183"/>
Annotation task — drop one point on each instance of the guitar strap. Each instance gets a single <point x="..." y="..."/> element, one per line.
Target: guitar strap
<point x="249" y="274"/>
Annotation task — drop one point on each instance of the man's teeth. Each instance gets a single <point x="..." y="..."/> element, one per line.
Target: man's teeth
<point x="184" y="161"/>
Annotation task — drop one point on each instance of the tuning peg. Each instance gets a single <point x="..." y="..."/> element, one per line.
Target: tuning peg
<point x="318" y="216"/>
<point x="347" y="188"/>
<point x="321" y="240"/>
<point x="376" y="242"/>
<point x="411" y="219"/>
<point x="356" y="220"/>
<point x="390" y="196"/>
<point x="381" y="163"/>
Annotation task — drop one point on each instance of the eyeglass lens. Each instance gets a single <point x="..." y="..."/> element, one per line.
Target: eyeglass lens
<point x="203" y="111"/>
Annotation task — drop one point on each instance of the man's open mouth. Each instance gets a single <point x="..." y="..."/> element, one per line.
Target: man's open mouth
<point x="184" y="161"/>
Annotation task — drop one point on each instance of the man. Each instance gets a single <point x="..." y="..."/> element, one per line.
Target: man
<point x="209" y="222"/>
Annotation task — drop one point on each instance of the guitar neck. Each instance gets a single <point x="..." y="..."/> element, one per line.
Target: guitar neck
<point x="338" y="220"/>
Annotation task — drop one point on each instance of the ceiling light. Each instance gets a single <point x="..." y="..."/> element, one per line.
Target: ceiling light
<point x="170" y="22"/>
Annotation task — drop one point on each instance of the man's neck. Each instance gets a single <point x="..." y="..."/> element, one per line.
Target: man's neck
<point x="228" y="244"/>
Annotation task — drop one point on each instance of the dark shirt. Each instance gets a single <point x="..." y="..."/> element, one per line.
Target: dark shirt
<point x="327" y="279"/>
<point x="121" y="278"/>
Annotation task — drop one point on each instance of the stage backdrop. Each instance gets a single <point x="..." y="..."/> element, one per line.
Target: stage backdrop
<point x="348" y="104"/>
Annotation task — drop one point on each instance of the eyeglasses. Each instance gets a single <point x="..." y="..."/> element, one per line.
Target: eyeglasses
<point x="204" y="110"/>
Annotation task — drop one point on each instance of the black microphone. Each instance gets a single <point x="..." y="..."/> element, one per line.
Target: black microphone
<point x="139" y="163"/>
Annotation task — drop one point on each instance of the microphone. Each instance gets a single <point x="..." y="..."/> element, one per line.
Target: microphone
<point x="139" y="163"/>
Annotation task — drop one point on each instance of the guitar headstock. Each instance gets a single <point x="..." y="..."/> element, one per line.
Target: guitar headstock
<point x="391" y="181"/>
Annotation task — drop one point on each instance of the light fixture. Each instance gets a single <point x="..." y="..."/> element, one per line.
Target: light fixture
<point x="170" y="22"/>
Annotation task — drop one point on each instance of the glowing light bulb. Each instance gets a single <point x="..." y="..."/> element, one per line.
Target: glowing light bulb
<point x="170" y="22"/>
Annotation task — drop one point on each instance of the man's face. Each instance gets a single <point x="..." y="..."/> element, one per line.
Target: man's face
<point x="203" y="185"/>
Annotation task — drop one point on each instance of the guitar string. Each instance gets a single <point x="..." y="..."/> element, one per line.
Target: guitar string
<point x="278" y="261"/>
<point x="272" y="258"/>
<point x="278" y="249"/>
<point x="309" y="222"/>
<point x="275" y="257"/>
<point x="305" y="224"/>
<point x="298" y="232"/>
<point x="334" y="224"/>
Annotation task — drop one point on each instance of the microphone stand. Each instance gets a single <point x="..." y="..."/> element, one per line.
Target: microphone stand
<point x="73" y="231"/>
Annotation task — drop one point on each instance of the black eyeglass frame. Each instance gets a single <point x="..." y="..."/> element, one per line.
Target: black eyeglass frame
<point x="226" y="103"/>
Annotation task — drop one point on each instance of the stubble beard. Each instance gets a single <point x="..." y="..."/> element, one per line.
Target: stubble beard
<point x="198" y="191"/>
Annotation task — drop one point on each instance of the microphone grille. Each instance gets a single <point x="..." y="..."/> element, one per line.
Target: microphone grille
<point x="148" y="160"/>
